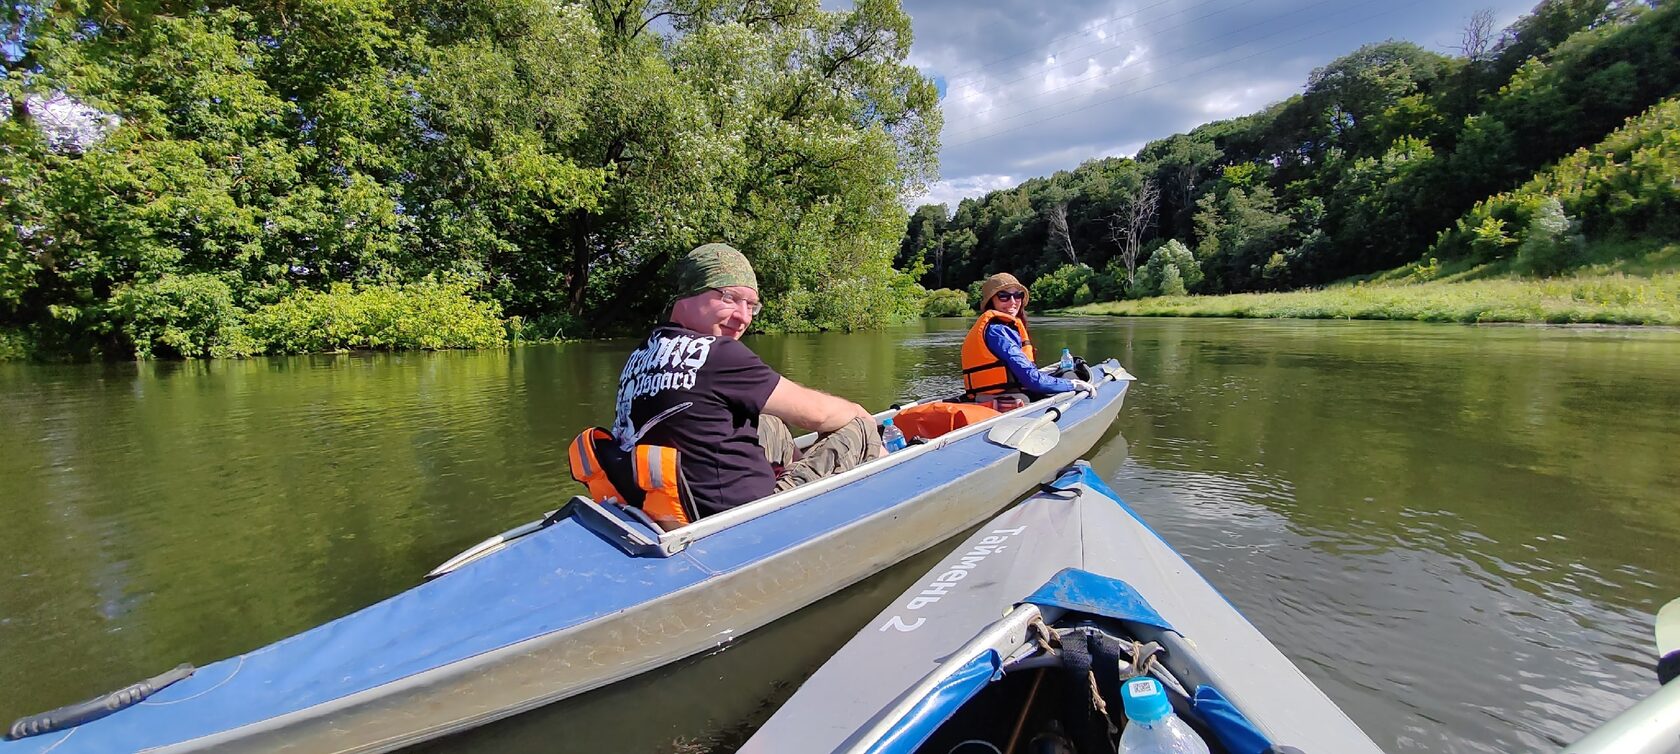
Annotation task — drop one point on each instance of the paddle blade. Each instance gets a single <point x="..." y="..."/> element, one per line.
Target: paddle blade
<point x="1035" y="437"/>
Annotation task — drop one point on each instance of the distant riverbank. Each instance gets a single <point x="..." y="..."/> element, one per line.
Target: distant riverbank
<point x="1603" y="298"/>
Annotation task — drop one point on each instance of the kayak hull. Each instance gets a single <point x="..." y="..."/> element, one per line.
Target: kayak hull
<point x="564" y="610"/>
<point x="891" y="687"/>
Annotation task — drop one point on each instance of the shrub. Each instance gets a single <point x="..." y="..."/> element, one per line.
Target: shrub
<point x="1174" y="256"/>
<point x="1424" y="271"/>
<point x="422" y="315"/>
<point x="1058" y="288"/>
<point x="1172" y="284"/>
<point x="1488" y="239"/>
<point x="190" y="316"/>
<point x="974" y="294"/>
<point x="946" y="302"/>
<point x="1550" y="245"/>
<point x="14" y="346"/>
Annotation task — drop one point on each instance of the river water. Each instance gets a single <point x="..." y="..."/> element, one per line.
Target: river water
<point x="1460" y="533"/>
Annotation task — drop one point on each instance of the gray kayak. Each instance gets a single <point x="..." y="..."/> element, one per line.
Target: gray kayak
<point x="583" y="598"/>
<point x="1089" y="595"/>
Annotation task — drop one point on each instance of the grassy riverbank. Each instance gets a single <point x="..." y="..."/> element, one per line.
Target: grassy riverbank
<point x="1644" y="290"/>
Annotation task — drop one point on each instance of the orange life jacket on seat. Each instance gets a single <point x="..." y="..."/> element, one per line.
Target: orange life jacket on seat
<point x="930" y="420"/>
<point x="651" y="475"/>
<point x="984" y="372"/>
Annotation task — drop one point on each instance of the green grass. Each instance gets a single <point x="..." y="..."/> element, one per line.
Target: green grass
<point x="1634" y="289"/>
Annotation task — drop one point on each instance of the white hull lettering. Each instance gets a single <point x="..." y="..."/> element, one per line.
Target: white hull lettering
<point x="946" y="581"/>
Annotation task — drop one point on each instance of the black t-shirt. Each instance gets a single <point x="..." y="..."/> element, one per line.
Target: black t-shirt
<point x="702" y="395"/>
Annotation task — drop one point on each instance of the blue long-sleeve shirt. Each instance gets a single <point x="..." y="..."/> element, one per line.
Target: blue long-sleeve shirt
<point x="1005" y="343"/>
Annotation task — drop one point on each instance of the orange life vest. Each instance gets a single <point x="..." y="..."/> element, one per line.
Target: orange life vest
<point x="930" y="420"/>
<point x="984" y="372"/>
<point x="651" y="475"/>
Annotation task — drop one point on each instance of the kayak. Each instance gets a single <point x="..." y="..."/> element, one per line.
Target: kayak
<point x="1091" y="598"/>
<point x="586" y="596"/>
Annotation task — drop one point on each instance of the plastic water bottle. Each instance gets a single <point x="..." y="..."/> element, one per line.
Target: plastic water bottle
<point x="1067" y="360"/>
<point x="1151" y="727"/>
<point x="891" y="436"/>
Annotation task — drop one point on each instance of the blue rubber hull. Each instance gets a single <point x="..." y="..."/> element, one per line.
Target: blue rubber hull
<point x="565" y="609"/>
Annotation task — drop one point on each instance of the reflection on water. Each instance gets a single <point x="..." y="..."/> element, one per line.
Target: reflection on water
<point x="1460" y="533"/>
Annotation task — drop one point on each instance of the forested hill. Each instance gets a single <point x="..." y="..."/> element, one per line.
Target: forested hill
<point x="1389" y="155"/>
<point x="189" y="179"/>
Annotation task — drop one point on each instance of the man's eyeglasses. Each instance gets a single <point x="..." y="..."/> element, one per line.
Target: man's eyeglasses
<point x="1011" y="296"/>
<point x="732" y="300"/>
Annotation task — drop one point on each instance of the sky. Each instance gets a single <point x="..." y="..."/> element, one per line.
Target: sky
<point x="1030" y="87"/>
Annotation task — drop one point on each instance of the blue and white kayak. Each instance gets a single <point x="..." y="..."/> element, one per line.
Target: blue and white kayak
<point x="586" y="597"/>
<point x="1090" y="596"/>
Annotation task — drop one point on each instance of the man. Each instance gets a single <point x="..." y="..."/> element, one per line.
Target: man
<point x="693" y="386"/>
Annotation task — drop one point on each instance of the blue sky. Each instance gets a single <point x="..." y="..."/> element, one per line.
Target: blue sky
<point x="1031" y="87"/>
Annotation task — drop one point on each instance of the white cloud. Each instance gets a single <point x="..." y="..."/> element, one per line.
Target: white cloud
<point x="952" y="192"/>
<point x="1236" y="101"/>
<point x="1035" y="87"/>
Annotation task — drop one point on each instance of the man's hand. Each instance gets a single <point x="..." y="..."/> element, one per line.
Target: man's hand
<point x="1084" y="387"/>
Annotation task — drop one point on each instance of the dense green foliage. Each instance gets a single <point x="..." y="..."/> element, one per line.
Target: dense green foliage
<point x="422" y="315"/>
<point x="944" y="302"/>
<point x="268" y="162"/>
<point x="1375" y="162"/>
<point x="1170" y="271"/>
<point x="1625" y="186"/>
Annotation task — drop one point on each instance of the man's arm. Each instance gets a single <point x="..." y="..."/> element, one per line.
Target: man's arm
<point x="811" y="409"/>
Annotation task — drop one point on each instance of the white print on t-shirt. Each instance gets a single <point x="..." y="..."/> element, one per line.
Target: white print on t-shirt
<point x="664" y="362"/>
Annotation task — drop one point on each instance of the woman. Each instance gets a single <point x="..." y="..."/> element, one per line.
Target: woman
<point x="997" y="355"/>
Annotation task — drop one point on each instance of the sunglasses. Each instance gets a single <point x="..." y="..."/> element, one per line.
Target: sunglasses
<point x="1011" y="296"/>
<point x="733" y="301"/>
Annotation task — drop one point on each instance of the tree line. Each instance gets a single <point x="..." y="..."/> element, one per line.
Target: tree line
<point x="221" y="178"/>
<point x="1391" y="154"/>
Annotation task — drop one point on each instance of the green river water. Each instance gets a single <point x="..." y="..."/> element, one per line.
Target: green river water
<point x="1460" y="533"/>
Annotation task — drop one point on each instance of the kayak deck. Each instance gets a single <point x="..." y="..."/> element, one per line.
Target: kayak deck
<point x="579" y="604"/>
<point x="917" y="664"/>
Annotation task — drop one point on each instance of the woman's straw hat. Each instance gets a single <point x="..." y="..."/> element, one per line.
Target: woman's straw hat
<point x="1000" y="282"/>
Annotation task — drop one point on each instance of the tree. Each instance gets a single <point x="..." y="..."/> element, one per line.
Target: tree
<point x="1477" y="40"/>
<point x="1128" y="225"/>
<point x="1059" y="237"/>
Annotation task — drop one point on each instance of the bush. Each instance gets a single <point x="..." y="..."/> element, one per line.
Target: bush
<point x="1550" y="245"/>
<point x="190" y="316"/>
<point x="1172" y="284"/>
<point x="14" y="346"/>
<point x="974" y="294"/>
<point x="423" y="315"/>
<point x="946" y="302"/>
<point x="1057" y="289"/>
<point x="1173" y="257"/>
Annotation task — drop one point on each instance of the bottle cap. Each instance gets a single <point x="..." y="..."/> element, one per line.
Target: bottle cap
<point x="887" y="421"/>
<point x="1145" y="701"/>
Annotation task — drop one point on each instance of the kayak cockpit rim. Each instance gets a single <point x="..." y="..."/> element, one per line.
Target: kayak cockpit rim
<point x="640" y="539"/>
<point x="677" y="539"/>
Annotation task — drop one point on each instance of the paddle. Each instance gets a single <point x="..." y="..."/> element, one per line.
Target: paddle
<point x="1653" y="725"/>
<point x="1032" y="436"/>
